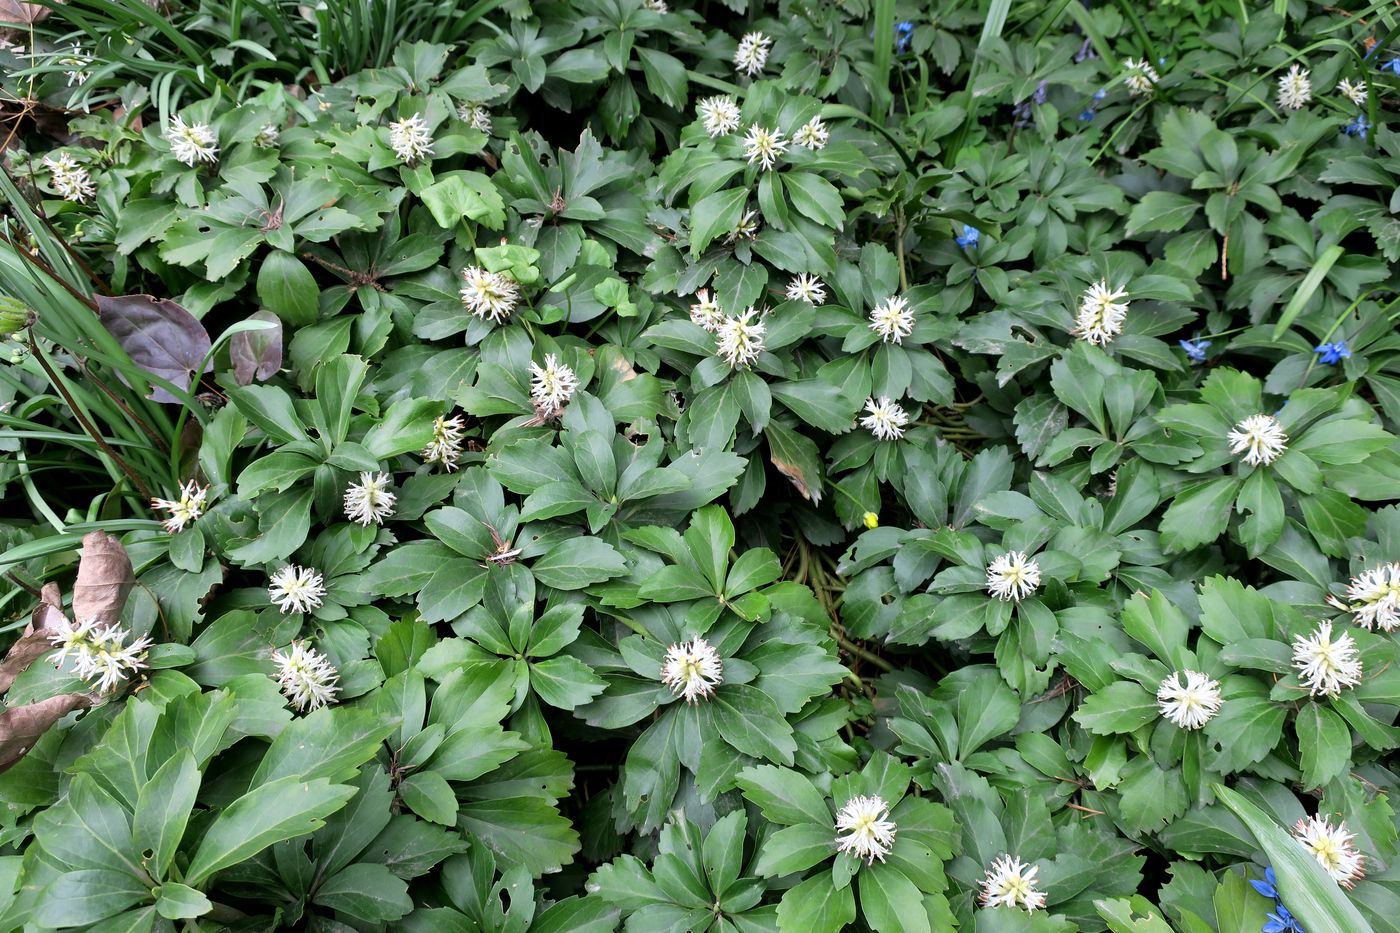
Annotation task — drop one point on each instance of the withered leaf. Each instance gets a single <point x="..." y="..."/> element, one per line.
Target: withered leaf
<point x="104" y="580"/>
<point x="22" y="726"/>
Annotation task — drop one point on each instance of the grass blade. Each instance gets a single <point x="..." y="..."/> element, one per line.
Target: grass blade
<point x="1307" y="287"/>
<point x="1308" y="892"/>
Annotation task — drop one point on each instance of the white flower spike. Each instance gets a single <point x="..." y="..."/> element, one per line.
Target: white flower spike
<point x="764" y="146"/>
<point x="1013" y="576"/>
<point x="892" y="319"/>
<point x="1326" y="666"/>
<point x="1375" y="598"/>
<point x="752" y="54"/>
<point x="869" y="833"/>
<point x="1011" y="883"/>
<point x="369" y="501"/>
<point x="296" y="589"/>
<point x="410" y="139"/>
<point x="445" y="448"/>
<point x="719" y="115"/>
<point x="812" y="135"/>
<point x="305" y="677"/>
<point x="100" y="653"/>
<point x="692" y="669"/>
<point x="476" y="116"/>
<point x="1354" y="91"/>
<point x="1141" y="77"/>
<point x="1333" y="847"/>
<point x="70" y="180"/>
<point x="1188" y="705"/>
<point x="185" y="510"/>
<point x="705" y="312"/>
<point x="739" y="340"/>
<point x="1260" y="438"/>
<point x="1294" y="89"/>
<point x="551" y="386"/>
<point x="808" y="288"/>
<point x="491" y="296"/>
<point x="884" y="419"/>
<point x="1102" y="311"/>
<point x="192" y="143"/>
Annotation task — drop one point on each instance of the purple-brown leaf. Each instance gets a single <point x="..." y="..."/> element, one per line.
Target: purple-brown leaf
<point x="257" y="354"/>
<point x="161" y="338"/>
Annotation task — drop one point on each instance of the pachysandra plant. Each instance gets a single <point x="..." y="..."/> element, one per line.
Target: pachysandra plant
<point x="611" y="466"/>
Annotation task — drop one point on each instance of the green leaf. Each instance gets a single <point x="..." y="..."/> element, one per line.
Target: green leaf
<point x="366" y="891"/>
<point x="82" y="898"/>
<point x="578" y="562"/>
<point x="1310" y="893"/>
<point x="817" y="906"/>
<point x="815" y="197"/>
<point x="1324" y="744"/>
<point x="428" y="794"/>
<point x="1199" y="515"/>
<point x="784" y="796"/>
<point x="749" y="720"/>
<point x="890" y="902"/>
<point x="1161" y="211"/>
<point x="288" y="289"/>
<point x="521" y="830"/>
<point x="458" y="196"/>
<point x="715" y="215"/>
<point x="283" y="809"/>
<point x="1123" y="707"/>
<point x="181" y="902"/>
<point x="163" y="809"/>
<point x="794" y="849"/>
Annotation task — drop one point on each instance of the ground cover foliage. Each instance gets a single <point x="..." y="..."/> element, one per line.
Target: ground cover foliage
<point x="736" y="466"/>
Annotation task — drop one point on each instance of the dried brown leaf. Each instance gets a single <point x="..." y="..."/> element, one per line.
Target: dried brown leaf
<point x="104" y="579"/>
<point x="14" y="11"/>
<point x="22" y="726"/>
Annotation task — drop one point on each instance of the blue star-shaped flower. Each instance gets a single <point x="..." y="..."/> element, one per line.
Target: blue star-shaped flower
<point x="1269" y="886"/>
<point x="1281" y="921"/>
<point x="1357" y="127"/>
<point x="1196" y="353"/>
<point x="1393" y="66"/>
<point x="1331" y="354"/>
<point x="902" y="32"/>
<point x="1087" y="115"/>
<point x="969" y="238"/>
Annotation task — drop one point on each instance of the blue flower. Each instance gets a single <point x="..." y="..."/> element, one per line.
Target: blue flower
<point x="902" y="32"/>
<point x="1393" y="66"/>
<point x="1086" y="51"/>
<point x="1039" y="96"/>
<point x="1281" y="921"/>
<point x="1087" y="115"/>
<point x="1332" y="353"/>
<point x="969" y="238"/>
<point x="1357" y="127"/>
<point x="1196" y="353"/>
<point x="1101" y="93"/>
<point x="1269" y="886"/>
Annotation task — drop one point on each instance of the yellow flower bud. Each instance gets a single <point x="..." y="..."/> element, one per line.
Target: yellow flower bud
<point x="872" y="520"/>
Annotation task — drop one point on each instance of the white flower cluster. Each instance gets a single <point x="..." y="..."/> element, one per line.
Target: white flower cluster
<point x="1294" y="88"/>
<point x="369" y="501"/>
<point x="808" y="288"/>
<point x="100" y="653"/>
<point x="1188" y="705"/>
<point x="1011" y="883"/>
<point x="1102" y="311"/>
<point x="411" y="139"/>
<point x="491" y="296"/>
<point x="1326" y="665"/>
<point x="892" y="319"/>
<point x="1013" y="576"/>
<point x="191" y="143"/>
<point x="1333" y="847"/>
<point x="1141" y="77"/>
<point x="884" y="418"/>
<point x="185" y="510"/>
<point x="70" y="180"/>
<point x="296" y="589"/>
<point x="551" y="386"/>
<point x="1374" y="598"/>
<point x="1354" y="91"/>
<point x="476" y="116"/>
<point x="445" y="448"/>
<point x="752" y="54"/>
<point x="739" y="340"/>
<point x="305" y="677"/>
<point x="869" y="834"/>
<point x="1260" y="438"/>
<point x="692" y="669"/>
